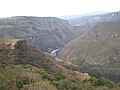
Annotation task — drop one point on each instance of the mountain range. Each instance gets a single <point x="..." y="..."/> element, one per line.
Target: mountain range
<point x="43" y="32"/>
<point x="87" y="55"/>
<point x="69" y="17"/>
<point x="91" y="21"/>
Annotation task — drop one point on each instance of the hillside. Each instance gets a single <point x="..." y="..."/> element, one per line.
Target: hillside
<point x="97" y="51"/>
<point x="43" y="32"/>
<point x="91" y="21"/>
<point x="20" y="52"/>
<point x="24" y="67"/>
<point x="88" y="21"/>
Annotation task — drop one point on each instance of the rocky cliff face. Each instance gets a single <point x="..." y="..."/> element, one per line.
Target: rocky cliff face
<point x="97" y="51"/>
<point x="43" y="32"/>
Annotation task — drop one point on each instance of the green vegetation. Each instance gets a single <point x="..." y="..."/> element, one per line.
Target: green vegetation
<point x="3" y="63"/>
<point x="22" y="81"/>
<point x="26" y="68"/>
<point x="97" y="52"/>
<point x="20" y="77"/>
<point x="101" y="82"/>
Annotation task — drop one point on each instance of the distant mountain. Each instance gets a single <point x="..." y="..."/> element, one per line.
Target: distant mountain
<point x="97" y="51"/>
<point x="91" y="21"/>
<point x="87" y="21"/>
<point x="43" y="32"/>
<point x="69" y="17"/>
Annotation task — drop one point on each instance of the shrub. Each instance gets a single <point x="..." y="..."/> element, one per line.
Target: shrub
<point x="7" y="83"/>
<point x="66" y="85"/>
<point x="101" y="82"/>
<point x="93" y="81"/>
<point x="27" y="66"/>
<point x="58" y="76"/>
<point x="22" y="81"/>
<point x="3" y="63"/>
<point x="105" y="82"/>
<point x="48" y="77"/>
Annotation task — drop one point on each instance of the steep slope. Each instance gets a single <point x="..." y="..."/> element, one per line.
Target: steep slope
<point x="97" y="51"/>
<point x="87" y="22"/>
<point x="23" y="77"/>
<point x="43" y="32"/>
<point x="24" y="67"/>
<point x="19" y="52"/>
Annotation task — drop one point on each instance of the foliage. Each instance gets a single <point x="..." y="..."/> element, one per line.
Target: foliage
<point x="22" y="81"/>
<point x="58" y="76"/>
<point x="101" y="82"/>
<point x="66" y="84"/>
<point x="4" y="83"/>
<point x="27" y="66"/>
<point x="3" y="63"/>
<point x="22" y="77"/>
<point x="7" y="80"/>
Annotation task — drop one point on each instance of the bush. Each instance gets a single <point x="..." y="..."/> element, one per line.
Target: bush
<point x="27" y="66"/>
<point x="58" y="76"/>
<point x="101" y="82"/>
<point x="3" y="83"/>
<point x="66" y="85"/>
<point x="48" y="77"/>
<point x="7" y="83"/>
<point x="3" y="63"/>
<point x="94" y="81"/>
<point x="22" y="81"/>
<point x="105" y="82"/>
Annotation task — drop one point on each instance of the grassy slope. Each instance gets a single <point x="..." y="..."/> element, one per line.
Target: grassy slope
<point x="99" y="47"/>
<point x="18" y="71"/>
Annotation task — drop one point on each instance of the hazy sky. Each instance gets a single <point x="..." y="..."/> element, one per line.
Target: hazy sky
<point x="55" y="7"/>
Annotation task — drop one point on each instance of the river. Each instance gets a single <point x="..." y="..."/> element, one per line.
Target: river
<point x="54" y="54"/>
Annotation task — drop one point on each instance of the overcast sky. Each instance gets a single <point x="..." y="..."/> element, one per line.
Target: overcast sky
<point x="55" y="8"/>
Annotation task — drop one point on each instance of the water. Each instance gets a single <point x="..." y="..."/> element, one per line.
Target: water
<point x="54" y="54"/>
